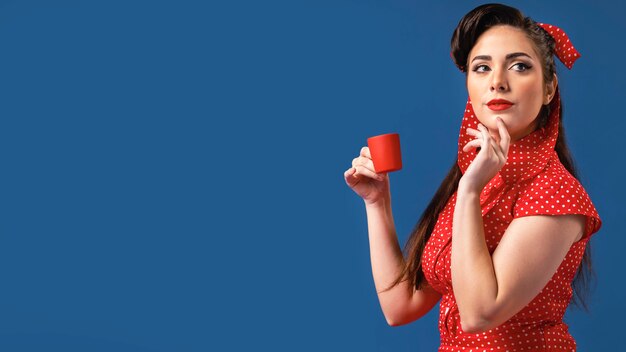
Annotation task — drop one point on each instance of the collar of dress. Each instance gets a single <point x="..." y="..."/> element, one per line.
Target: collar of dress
<point x="526" y="158"/>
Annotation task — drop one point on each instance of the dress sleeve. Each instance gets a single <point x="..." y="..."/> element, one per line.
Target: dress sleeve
<point x="557" y="194"/>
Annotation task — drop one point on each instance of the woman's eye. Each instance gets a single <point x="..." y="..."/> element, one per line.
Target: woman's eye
<point x="521" y="66"/>
<point x="478" y="68"/>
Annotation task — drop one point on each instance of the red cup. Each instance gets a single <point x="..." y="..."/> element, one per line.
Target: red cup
<point x="385" y="151"/>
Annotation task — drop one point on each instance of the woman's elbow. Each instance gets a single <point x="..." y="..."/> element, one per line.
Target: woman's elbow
<point x="400" y="320"/>
<point x="392" y="322"/>
<point x="475" y="325"/>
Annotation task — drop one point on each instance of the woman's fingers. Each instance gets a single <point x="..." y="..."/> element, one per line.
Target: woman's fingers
<point x="472" y="144"/>
<point x="363" y="165"/>
<point x="505" y="138"/>
<point x="365" y="152"/>
<point x="362" y="170"/>
<point x="473" y="132"/>
<point x="485" y="140"/>
<point x="350" y="177"/>
<point x="489" y="140"/>
<point x="363" y="161"/>
<point x="475" y="142"/>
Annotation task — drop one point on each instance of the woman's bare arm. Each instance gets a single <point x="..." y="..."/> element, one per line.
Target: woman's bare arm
<point x="490" y="289"/>
<point x="401" y="304"/>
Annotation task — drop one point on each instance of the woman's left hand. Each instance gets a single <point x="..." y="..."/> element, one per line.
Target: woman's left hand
<point x="490" y="159"/>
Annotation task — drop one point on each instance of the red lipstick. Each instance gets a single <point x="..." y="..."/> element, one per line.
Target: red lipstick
<point x="499" y="104"/>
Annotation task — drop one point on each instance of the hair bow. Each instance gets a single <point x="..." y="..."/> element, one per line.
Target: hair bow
<point x="564" y="49"/>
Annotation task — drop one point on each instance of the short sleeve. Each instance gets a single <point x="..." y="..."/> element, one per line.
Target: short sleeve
<point x="557" y="194"/>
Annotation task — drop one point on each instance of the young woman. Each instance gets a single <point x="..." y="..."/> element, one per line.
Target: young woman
<point x="508" y="230"/>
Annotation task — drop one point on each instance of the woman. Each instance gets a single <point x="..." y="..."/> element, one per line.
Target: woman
<point x="507" y="230"/>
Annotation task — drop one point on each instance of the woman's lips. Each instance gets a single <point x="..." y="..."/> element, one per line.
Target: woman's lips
<point x="499" y="106"/>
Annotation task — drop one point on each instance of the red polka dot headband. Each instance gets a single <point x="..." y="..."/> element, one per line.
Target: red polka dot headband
<point x="563" y="49"/>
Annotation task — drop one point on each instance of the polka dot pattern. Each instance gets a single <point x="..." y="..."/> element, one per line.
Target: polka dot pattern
<point x="532" y="182"/>
<point x="564" y="49"/>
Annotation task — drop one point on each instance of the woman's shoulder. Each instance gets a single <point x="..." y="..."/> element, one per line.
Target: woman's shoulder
<point x="553" y="179"/>
<point x="555" y="191"/>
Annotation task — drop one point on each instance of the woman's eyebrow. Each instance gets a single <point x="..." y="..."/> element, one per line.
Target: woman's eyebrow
<point x="508" y="56"/>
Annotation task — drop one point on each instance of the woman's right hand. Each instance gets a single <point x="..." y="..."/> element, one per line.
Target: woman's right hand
<point x="364" y="180"/>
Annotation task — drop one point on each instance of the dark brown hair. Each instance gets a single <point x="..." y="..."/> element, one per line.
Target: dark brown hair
<point x="469" y="29"/>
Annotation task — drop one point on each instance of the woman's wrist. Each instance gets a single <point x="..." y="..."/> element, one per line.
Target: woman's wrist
<point x="466" y="189"/>
<point x="380" y="203"/>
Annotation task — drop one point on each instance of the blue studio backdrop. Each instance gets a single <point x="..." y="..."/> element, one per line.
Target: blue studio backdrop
<point x="172" y="171"/>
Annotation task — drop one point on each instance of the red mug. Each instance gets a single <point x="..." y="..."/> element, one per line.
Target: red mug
<point x="385" y="152"/>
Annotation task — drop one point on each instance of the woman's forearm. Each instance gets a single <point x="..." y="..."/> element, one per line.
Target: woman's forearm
<point x="387" y="259"/>
<point x="473" y="276"/>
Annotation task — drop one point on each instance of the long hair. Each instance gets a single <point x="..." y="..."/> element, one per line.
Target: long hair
<point x="469" y="29"/>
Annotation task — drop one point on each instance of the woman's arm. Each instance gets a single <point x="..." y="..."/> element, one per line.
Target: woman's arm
<point x="489" y="290"/>
<point x="401" y="304"/>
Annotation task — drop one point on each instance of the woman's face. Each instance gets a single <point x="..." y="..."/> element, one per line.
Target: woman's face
<point x="503" y="64"/>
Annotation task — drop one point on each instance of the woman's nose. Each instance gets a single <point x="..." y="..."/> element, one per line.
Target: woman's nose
<point x="498" y="82"/>
<point x="499" y="87"/>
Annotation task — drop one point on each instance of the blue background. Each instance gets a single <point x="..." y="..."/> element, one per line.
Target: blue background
<point x="172" y="171"/>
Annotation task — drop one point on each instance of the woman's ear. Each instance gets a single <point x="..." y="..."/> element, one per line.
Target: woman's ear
<point x="550" y="90"/>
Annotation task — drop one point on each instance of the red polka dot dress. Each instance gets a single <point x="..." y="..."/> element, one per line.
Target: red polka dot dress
<point x="532" y="182"/>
